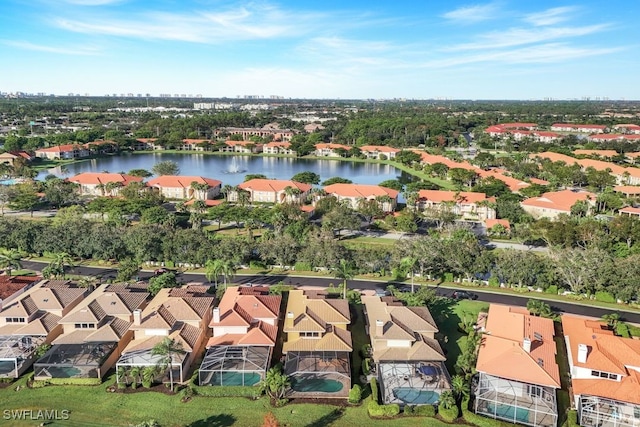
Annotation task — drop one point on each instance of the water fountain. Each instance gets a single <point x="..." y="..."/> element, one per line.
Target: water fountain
<point x="234" y="167"/>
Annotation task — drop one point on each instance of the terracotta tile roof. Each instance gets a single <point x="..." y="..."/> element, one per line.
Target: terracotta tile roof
<point x="180" y="181"/>
<point x="242" y="143"/>
<point x="194" y="141"/>
<point x="601" y="153"/>
<point x="174" y="305"/>
<point x="490" y="223"/>
<point x="107" y="300"/>
<point x="9" y="285"/>
<point x="554" y="157"/>
<point x="330" y="146"/>
<point x="60" y="148"/>
<point x="605" y="352"/>
<point x="248" y="307"/>
<point x="260" y="334"/>
<point x="279" y="144"/>
<point x="601" y="165"/>
<point x="462" y="197"/>
<point x="112" y="331"/>
<point x="188" y="335"/>
<point x="501" y="350"/>
<point x="627" y="189"/>
<point x="558" y="200"/>
<point x="96" y="178"/>
<point x="578" y="126"/>
<point x="513" y="183"/>
<point x="379" y="149"/>
<point x="630" y="210"/>
<point x="360" y="190"/>
<point x="273" y="185"/>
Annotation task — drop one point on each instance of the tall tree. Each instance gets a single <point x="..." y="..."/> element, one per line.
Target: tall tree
<point x="10" y="259"/>
<point x="345" y="270"/>
<point x="168" y="349"/>
<point x="166" y="167"/>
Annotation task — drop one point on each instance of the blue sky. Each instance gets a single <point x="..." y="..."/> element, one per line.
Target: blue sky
<point x="323" y="49"/>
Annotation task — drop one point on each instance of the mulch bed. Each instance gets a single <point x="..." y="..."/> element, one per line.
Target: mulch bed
<point x="158" y="388"/>
<point x="341" y="403"/>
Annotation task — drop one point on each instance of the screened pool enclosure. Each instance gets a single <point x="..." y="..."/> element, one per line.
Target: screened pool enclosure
<point x="234" y="365"/>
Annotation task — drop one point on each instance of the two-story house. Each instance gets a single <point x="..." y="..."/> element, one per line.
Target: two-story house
<point x="94" y="334"/>
<point x="278" y="147"/>
<point x="31" y="320"/>
<point x="65" y="152"/>
<point x="273" y="191"/>
<point x="379" y="151"/>
<point x="330" y="149"/>
<point x="466" y="204"/>
<point x="102" y="183"/>
<point x="318" y="345"/>
<point x="244" y="331"/>
<point x="180" y="314"/>
<point x="354" y="194"/>
<point x="409" y="361"/>
<point x="186" y="187"/>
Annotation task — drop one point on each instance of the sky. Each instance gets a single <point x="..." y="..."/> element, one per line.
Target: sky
<point x="356" y="49"/>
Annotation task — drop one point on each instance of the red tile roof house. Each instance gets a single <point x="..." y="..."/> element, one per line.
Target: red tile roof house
<point x="180" y="187"/>
<point x="94" y="334"/>
<point x="581" y="128"/>
<point x="102" y="184"/>
<point x="31" y="320"/>
<point x="277" y="147"/>
<point x="605" y="373"/>
<point x="273" y="191"/>
<point x="195" y="145"/>
<point x="10" y="157"/>
<point x="146" y="144"/>
<point x="12" y="286"/>
<point x="409" y="360"/>
<point x="354" y="193"/>
<point x="247" y="147"/>
<point x="68" y="151"/>
<point x="469" y="205"/>
<point x="517" y="371"/>
<point x="180" y="314"/>
<point x="378" y="151"/>
<point x="329" y="150"/>
<point x="628" y="128"/>
<point x="265" y="131"/>
<point x="552" y="204"/>
<point x="245" y="329"/>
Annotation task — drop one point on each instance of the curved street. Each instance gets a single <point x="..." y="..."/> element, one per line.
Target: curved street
<point x="323" y="282"/>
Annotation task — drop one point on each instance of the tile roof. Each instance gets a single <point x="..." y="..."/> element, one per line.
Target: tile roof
<point x="578" y="126"/>
<point x="601" y="153"/>
<point x="174" y="305"/>
<point x="462" y="197"/>
<point x="331" y="146"/>
<point x="9" y="285"/>
<point x="180" y="181"/>
<point x="246" y="308"/>
<point x="490" y="223"/>
<point x="501" y="350"/>
<point x="558" y="200"/>
<point x="280" y="144"/>
<point x="379" y="148"/>
<point x="96" y="178"/>
<point x="554" y="157"/>
<point x="360" y="190"/>
<point x="606" y="352"/>
<point x="273" y="185"/>
<point x="40" y="326"/>
<point x="60" y="148"/>
<point x="107" y="300"/>
<point x="627" y="189"/>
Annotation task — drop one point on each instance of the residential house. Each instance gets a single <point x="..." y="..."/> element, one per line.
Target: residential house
<point x="379" y="151"/>
<point x="329" y="149"/>
<point x="552" y="204"/>
<point x="517" y="371"/>
<point x="186" y="187"/>
<point x="10" y="157"/>
<point x="273" y="191"/>
<point x="30" y="320"/>
<point x="628" y="128"/>
<point x="629" y="211"/>
<point x="268" y="131"/>
<point x="497" y="227"/>
<point x="468" y="205"/>
<point x="579" y="128"/>
<point x="102" y="184"/>
<point x="64" y="152"/>
<point x="246" y="147"/>
<point x="627" y="190"/>
<point x="318" y="345"/>
<point x="244" y="332"/>
<point x="605" y="373"/>
<point x="146" y="144"/>
<point x="277" y="147"/>
<point x="179" y="314"/>
<point x="94" y="334"/>
<point x="409" y="361"/>
<point x="195" y="145"/>
<point x="355" y="193"/>
<point x="12" y="286"/>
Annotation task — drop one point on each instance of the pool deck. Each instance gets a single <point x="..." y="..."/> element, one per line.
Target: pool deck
<point x="342" y="394"/>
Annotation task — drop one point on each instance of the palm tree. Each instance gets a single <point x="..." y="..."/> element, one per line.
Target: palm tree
<point x="226" y="189"/>
<point x="60" y="262"/>
<point x="135" y="374"/>
<point x="121" y="375"/>
<point x="213" y="270"/>
<point x="459" y="387"/>
<point x="197" y="210"/>
<point x="10" y="259"/>
<point x="409" y="264"/>
<point x="87" y="282"/>
<point x="112" y="186"/>
<point x="167" y="349"/>
<point x="199" y="190"/>
<point x="275" y="383"/>
<point x="612" y="320"/>
<point x="345" y="271"/>
<point x="228" y="271"/>
<point x="244" y="197"/>
<point x="148" y="375"/>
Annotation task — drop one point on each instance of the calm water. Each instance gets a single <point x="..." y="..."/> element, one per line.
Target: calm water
<point x="218" y="167"/>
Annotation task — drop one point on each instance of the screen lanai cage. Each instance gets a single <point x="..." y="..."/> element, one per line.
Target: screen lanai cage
<point x="599" y="411"/>
<point x="234" y="365"/>
<point x="318" y="362"/>
<point x="413" y="383"/>
<point x="16" y="353"/>
<point x="145" y="357"/>
<point x="516" y="402"/>
<point x="74" y="360"/>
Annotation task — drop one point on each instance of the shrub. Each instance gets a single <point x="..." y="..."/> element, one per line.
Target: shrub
<point x="75" y="381"/>
<point x="448" y="277"/>
<point x="494" y="282"/>
<point x="383" y="411"/>
<point x="604" y="296"/>
<point x="38" y="384"/>
<point x="355" y="394"/>
<point x="553" y="289"/>
<point x="227" y="391"/>
<point x="623" y="330"/>
<point x="448" y="414"/>
<point x="425" y="411"/>
<point x="302" y="266"/>
<point x="408" y="410"/>
<point x="366" y="365"/>
<point x="257" y="265"/>
<point x="634" y="330"/>
<point x="374" y="389"/>
<point x="572" y="418"/>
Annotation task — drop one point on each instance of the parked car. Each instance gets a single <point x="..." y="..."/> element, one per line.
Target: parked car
<point x="380" y="292"/>
<point x="407" y="288"/>
<point x="464" y="295"/>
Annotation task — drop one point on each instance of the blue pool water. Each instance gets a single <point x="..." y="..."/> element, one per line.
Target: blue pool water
<point x="8" y="181"/>
<point x="509" y="412"/>
<point x="414" y="396"/>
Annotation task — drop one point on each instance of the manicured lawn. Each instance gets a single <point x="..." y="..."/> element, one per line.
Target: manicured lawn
<point x="368" y="241"/>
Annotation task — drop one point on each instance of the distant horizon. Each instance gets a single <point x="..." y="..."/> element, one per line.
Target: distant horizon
<point x="374" y="49"/>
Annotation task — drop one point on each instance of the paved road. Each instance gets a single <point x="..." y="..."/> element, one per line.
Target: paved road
<point x="323" y="282"/>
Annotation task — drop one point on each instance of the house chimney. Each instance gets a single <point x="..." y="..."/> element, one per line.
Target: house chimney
<point x="216" y="315"/>
<point x="379" y="328"/>
<point x="137" y="317"/>
<point x="583" y="351"/>
<point x="289" y="314"/>
<point x="526" y="345"/>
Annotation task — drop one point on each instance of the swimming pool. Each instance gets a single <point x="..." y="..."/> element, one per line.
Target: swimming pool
<point x="235" y="378"/>
<point x="307" y="385"/>
<point x="415" y="396"/>
<point x="508" y="412"/>
<point x="8" y="181"/>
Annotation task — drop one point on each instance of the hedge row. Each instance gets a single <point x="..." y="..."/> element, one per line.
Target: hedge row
<point x="66" y="381"/>
<point x="227" y="391"/>
<point x="479" y="420"/>
<point x="420" y="410"/>
<point x="382" y="411"/>
<point x="448" y="414"/>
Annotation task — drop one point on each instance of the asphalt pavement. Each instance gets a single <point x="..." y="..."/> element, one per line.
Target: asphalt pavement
<point x="363" y="285"/>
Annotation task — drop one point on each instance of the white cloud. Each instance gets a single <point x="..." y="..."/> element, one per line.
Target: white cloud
<point x="473" y="14"/>
<point x="551" y="16"/>
<point x="520" y="36"/>
<point x="51" y="49"/>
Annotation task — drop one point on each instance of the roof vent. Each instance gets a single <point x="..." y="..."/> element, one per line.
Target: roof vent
<point x="289" y="314"/>
<point x="46" y="300"/>
<point x="540" y="362"/>
<point x="583" y="352"/>
<point x="537" y="336"/>
<point x="526" y="345"/>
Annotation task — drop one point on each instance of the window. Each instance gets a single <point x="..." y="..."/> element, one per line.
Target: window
<point x="310" y="334"/>
<point x="15" y="320"/>
<point x="85" y="325"/>
<point x="599" y="374"/>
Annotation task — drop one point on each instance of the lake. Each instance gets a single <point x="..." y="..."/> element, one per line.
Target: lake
<point x="218" y="167"/>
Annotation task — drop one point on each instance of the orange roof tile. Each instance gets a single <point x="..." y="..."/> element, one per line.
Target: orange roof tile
<point x="331" y="146"/>
<point x="554" y="157"/>
<point x="282" y="144"/>
<point x="93" y="178"/>
<point x="627" y="189"/>
<point x="558" y="200"/>
<point x="600" y="165"/>
<point x="360" y="190"/>
<point x="502" y="353"/>
<point x="60" y="148"/>
<point x="273" y="185"/>
<point x="602" y="153"/>
<point x="379" y="148"/>
<point x="463" y="197"/>
<point x="490" y="223"/>
<point x="179" y="181"/>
